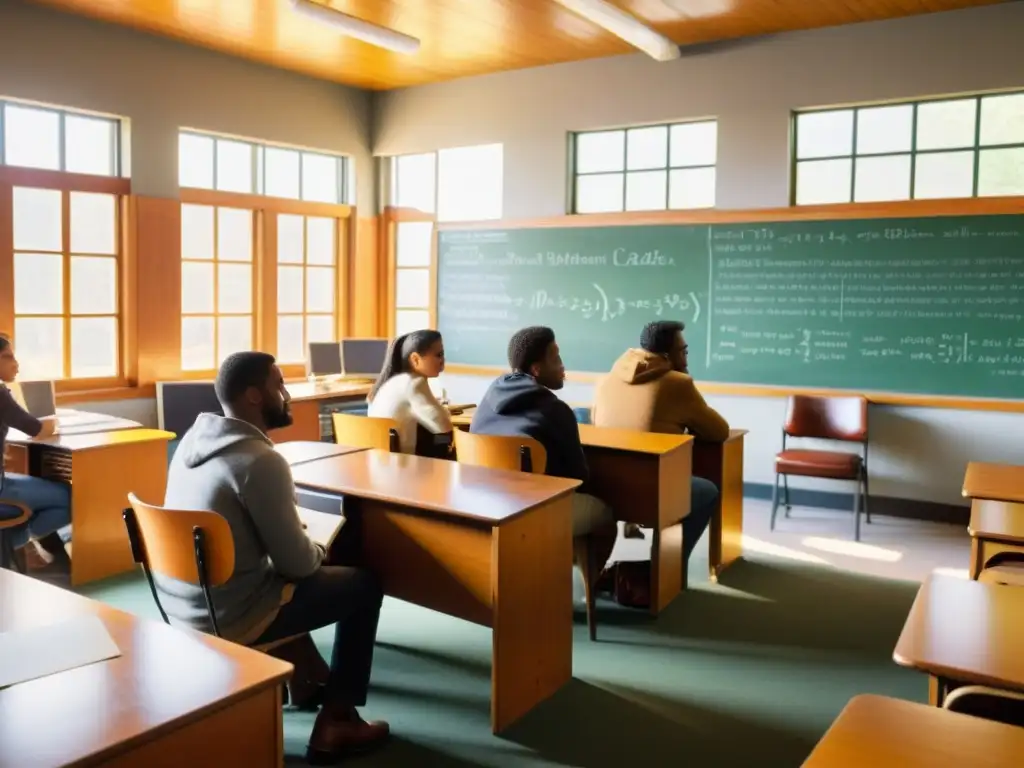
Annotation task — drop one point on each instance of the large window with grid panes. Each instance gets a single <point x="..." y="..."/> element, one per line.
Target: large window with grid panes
<point x="60" y="181"/>
<point x="456" y="184"/>
<point x="645" y="168"/>
<point x="965" y="146"/>
<point x="262" y="201"/>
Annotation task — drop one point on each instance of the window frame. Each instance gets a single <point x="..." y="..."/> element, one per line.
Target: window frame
<point x="258" y="150"/>
<point x="975" y="148"/>
<point x="67" y="183"/>
<point x="265" y="211"/>
<point x="574" y="174"/>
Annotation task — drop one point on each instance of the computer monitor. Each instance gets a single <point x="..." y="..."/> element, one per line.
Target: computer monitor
<point x="179" y="403"/>
<point x="39" y="398"/>
<point x="323" y="358"/>
<point x="363" y="358"/>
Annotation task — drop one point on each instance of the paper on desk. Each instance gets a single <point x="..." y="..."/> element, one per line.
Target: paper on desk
<point x="42" y="651"/>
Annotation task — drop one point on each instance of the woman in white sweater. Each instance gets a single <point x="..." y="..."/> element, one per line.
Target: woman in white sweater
<point x="402" y="392"/>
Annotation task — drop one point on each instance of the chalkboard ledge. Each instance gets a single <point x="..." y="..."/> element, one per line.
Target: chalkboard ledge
<point x="757" y="390"/>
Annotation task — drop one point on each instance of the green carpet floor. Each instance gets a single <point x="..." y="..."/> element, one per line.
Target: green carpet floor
<point x="747" y="673"/>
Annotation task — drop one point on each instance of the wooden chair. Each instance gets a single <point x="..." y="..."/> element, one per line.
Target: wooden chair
<point x="843" y="419"/>
<point x="12" y="514"/>
<point x="366" y="432"/>
<point x="195" y="547"/>
<point x="524" y="454"/>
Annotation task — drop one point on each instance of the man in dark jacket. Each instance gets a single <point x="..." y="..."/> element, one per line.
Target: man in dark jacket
<point x="522" y="403"/>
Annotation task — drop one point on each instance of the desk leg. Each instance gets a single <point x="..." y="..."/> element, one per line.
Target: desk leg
<point x="727" y="524"/>
<point x="305" y="423"/>
<point x="101" y="480"/>
<point x="937" y="689"/>
<point x="531" y="582"/>
<point x="667" y="567"/>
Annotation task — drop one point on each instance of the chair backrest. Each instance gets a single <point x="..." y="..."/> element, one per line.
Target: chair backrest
<point x="13" y="513"/>
<point x="164" y="540"/>
<point x="828" y="418"/>
<point x="365" y="431"/>
<point x="522" y="454"/>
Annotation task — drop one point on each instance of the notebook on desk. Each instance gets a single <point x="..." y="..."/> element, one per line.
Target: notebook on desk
<point x="42" y="651"/>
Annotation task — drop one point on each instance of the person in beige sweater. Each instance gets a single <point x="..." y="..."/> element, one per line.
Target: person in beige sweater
<point x="650" y="389"/>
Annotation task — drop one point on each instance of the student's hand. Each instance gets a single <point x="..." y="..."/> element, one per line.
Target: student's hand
<point x="49" y="428"/>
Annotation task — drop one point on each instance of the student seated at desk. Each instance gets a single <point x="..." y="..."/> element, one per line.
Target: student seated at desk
<point x="402" y="392"/>
<point x="650" y="389"/>
<point x="49" y="501"/>
<point x="523" y="403"/>
<point x="281" y="585"/>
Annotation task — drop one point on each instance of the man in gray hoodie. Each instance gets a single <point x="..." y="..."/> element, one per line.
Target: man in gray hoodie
<point x="281" y="585"/>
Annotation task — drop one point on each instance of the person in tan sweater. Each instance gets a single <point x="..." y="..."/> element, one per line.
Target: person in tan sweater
<point x="650" y="389"/>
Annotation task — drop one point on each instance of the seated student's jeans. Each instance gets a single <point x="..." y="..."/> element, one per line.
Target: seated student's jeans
<point x="703" y="497"/>
<point x="49" y="501"/>
<point x="350" y="599"/>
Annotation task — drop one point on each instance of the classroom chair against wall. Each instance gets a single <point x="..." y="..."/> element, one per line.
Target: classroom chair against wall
<point x="989" y="703"/>
<point x="365" y="432"/>
<point x="524" y="454"/>
<point x="12" y="514"/>
<point x="842" y="419"/>
<point x="195" y="547"/>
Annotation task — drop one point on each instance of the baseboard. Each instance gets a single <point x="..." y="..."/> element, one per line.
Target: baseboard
<point x="889" y="506"/>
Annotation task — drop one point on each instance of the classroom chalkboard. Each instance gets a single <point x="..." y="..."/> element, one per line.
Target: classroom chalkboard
<point x="929" y="306"/>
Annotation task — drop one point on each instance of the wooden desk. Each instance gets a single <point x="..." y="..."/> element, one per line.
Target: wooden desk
<point x="484" y="545"/>
<point x="996" y="527"/>
<point x="722" y="464"/>
<point x="964" y="632"/>
<point x="645" y="477"/>
<point x="102" y="469"/>
<point x="305" y="405"/>
<point x="879" y="732"/>
<point x="301" y="451"/>
<point x="173" y="698"/>
<point x="1000" y="482"/>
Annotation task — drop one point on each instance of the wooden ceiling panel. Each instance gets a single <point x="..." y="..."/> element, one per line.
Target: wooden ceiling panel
<point x="460" y="38"/>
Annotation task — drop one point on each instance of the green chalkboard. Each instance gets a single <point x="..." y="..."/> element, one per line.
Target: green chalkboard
<point x="924" y="306"/>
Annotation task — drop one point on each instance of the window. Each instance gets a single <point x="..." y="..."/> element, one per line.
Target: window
<point x="414" y="182"/>
<point x="253" y="168"/>
<point x="216" y="284"/>
<point x="648" y="168"/>
<point x="307" y="250"/>
<point x="52" y="139"/>
<point x="458" y="184"/>
<point x="469" y="183"/>
<point x="962" y="147"/>
<point x="412" y="275"/>
<point x="66" y="298"/>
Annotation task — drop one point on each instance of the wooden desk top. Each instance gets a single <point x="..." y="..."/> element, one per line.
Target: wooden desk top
<point x="437" y="485"/>
<point x="997" y="520"/>
<point x="164" y="678"/>
<point x="301" y="451"/>
<point x="304" y="390"/>
<point x="630" y="440"/>
<point x="965" y="631"/>
<point x="93" y="440"/>
<point x="879" y="732"/>
<point x="1002" y="482"/>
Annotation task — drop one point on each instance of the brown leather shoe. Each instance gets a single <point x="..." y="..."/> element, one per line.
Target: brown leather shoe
<point x="334" y="738"/>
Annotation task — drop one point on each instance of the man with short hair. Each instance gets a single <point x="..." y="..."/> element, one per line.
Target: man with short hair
<point x="281" y="586"/>
<point x="650" y="389"/>
<point x="523" y="403"/>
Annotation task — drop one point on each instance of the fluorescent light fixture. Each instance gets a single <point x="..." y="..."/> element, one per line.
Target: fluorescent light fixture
<point x="374" y="34"/>
<point x="622" y="25"/>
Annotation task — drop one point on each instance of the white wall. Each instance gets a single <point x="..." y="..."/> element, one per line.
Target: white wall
<point x="751" y="86"/>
